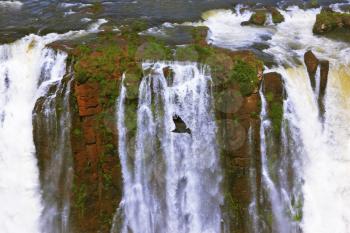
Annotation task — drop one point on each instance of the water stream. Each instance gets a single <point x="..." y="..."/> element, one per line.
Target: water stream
<point x="171" y="181"/>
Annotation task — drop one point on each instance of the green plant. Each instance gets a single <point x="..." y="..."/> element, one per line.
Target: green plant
<point x="80" y="195"/>
<point x="246" y="76"/>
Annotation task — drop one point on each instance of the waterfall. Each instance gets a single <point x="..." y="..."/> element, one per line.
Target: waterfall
<point x="26" y="70"/>
<point x="52" y="128"/>
<point x="171" y="180"/>
<point x="324" y="149"/>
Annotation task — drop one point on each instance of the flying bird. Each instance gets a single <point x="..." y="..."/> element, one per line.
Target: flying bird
<point x="180" y="125"/>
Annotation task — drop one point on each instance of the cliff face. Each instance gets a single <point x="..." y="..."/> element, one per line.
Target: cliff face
<point x="95" y="84"/>
<point x="97" y="178"/>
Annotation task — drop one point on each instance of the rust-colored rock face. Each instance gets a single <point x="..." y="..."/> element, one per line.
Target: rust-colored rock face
<point x="97" y="180"/>
<point x="87" y="98"/>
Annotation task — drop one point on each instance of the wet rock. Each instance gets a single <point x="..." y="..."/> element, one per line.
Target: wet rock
<point x="277" y="17"/>
<point x="273" y="90"/>
<point x="328" y="20"/>
<point x="272" y="83"/>
<point x="311" y="63"/>
<point x="168" y="72"/>
<point x="324" y="70"/>
<point x="258" y="18"/>
<point x="245" y="23"/>
<point x="323" y="76"/>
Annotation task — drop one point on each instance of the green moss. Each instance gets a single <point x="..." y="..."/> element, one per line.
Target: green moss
<point x="77" y="132"/>
<point x="269" y="96"/>
<point x="199" y="34"/>
<point x="98" y="64"/>
<point x="277" y="17"/>
<point x="132" y="81"/>
<point x="186" y="53"/>
<point x="80" y="195"/>
<point x="246" y="76"/>
<point x="258" y="18"/>
<point x="276" y="115"/>
<point x="328" y="20"/>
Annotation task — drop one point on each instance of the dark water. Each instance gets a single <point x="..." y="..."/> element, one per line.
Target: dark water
<point x="43" y="16"/>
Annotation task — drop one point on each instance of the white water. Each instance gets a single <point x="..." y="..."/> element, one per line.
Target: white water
<point x="20" y="70"/>
<point x="316" y="150"/>
<point x="27" y="70"/>
<point x="171" y="181"/>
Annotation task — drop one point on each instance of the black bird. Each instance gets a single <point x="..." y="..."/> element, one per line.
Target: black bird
<point x="180" y="125"/>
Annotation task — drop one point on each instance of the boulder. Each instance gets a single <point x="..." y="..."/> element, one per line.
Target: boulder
<point x="272" y="83"/>
<point x="328" y="20"/>
<point x="258" y="18"/>
<point x="324" y="65"/>
<point x="277" y="17"/>
<point x="311" y="63"/>
<point x="167" y="71"/>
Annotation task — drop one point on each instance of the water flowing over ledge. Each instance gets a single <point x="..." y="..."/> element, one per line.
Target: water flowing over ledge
<point x="171" y="181"/>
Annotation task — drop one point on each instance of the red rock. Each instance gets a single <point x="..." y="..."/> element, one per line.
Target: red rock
<point x="88" y="99"/>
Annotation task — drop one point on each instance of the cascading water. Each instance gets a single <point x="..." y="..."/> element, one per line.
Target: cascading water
<point x="171" y="181"/>
<point x="21" y="66"/>
<point x="28" y="70"/>
<point x="52" y="128"/>
<point x="304" y="181"/>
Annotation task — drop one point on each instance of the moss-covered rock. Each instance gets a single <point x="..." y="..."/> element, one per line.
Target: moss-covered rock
<point x="186" y="53"/>
<point x="154" y="51"/>
<point x="132" y="80"/>
<point x="258" y="18"/>
<point x="277" y="17"/>
<point x="328" y="20"/>
<point x="273" y="89"/>
<point x="199" y="35"/>
<point x="246" y="75"/>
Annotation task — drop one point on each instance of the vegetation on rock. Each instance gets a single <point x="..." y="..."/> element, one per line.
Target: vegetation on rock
<point x="277" y="17"/>
<point x="258" y="18"/>
<point x="328" y="20"/>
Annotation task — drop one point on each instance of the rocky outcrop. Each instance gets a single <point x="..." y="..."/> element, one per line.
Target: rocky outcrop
<point x="273" y="90"/>
<point x="328" y="20"/>
<point x="311" y="63"/>
<point x="259" y="17"/>
<point x="324" y="70"/>
<point x="97" y="179"/>
<point x="98" y="68"/>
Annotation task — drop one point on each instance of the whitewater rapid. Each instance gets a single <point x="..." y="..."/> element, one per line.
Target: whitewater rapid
<point x="315" y="148"/>
<point x="171" y="181"/>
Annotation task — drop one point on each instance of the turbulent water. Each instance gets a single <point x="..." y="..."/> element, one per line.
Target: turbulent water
<point x="307" y="190"/>
<point x="27" y="71"/>
<point x="171" y="181"/>
<point x="24" y="78"/>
